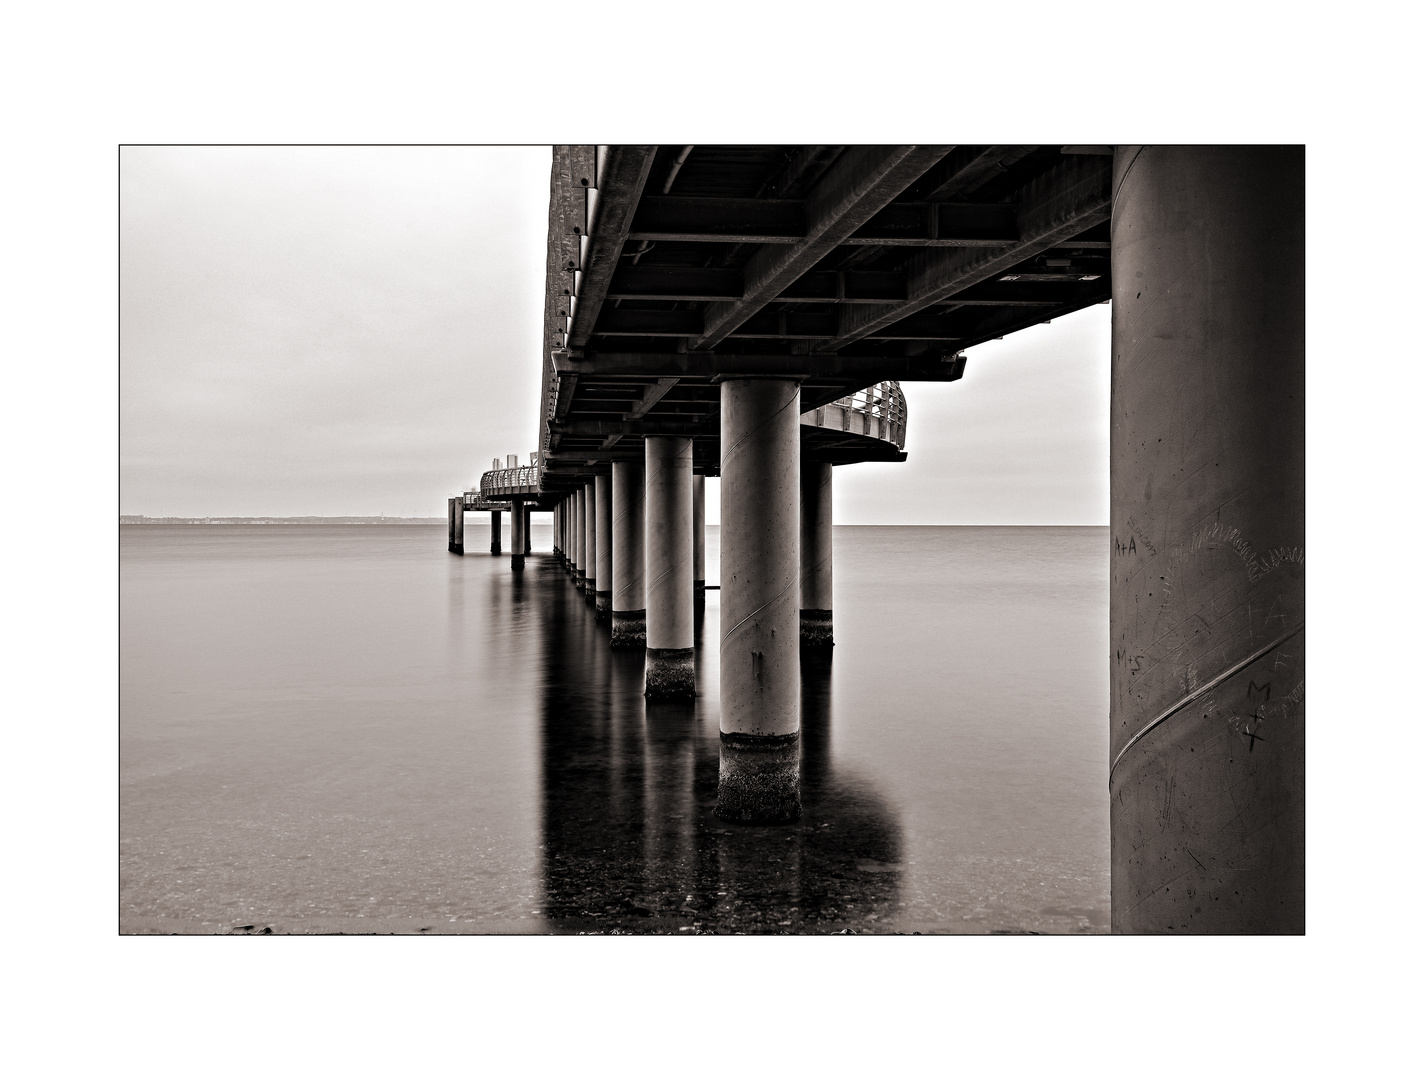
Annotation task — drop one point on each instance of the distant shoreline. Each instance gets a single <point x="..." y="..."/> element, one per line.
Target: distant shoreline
<point x="140" y="519"/>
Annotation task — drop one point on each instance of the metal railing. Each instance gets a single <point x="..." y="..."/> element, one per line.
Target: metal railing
<point x="878" y="411"/>
<point x="506" y="482"/>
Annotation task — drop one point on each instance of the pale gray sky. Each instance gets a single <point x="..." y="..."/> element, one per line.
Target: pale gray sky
<point x="353" y="330"/>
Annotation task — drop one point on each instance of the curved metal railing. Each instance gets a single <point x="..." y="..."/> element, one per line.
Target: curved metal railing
<point x="503" y="483"/>
<point x="877" y="411"/>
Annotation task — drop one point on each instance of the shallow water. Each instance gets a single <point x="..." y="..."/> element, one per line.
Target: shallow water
<point x="345" y="728"/>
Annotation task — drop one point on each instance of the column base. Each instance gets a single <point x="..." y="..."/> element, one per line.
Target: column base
<point x="602" y="605"/>
<point x="578" y="581"/>
<point x="494" y="549"/>
<point x="669" y="674"/>
<point x="456" y="549"/>
<point x="516" y="562"/>
<point x="759" y="778"/>
<point x="630" y="629"/>
<point x="816" y="629"/>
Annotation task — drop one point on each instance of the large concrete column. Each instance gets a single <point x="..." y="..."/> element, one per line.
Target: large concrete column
<point x="699" y="539"/>
<point x="759" y="775"/>
<point x="1207" y="601"/>
<point x="590" y="524"/>
<point x="580" y="538"/>
<point x="603" y="553"/>
<point x="494" y="532"/>
<point x="668" y="567"/>
<point x="629" y="605"/>
<point x="528" y="540"/>
<point x="518" y="544"/>
<point x="816" y="626"/>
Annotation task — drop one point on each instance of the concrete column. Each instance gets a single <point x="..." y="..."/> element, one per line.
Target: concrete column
<point x="590" y="524"/>
<point x="528" y="540"/>
<point x="580" y="539"/>
<point x="629" y="606"/>
<point x="699" y="539"/>
<point x="1207" y="594"/>
<point x="759" y="774"/>
<point x="559" y="530"/>
<point x="816" y="629"/>
<point x="667" y="570"/>
<point x="518" y="523"/>
<point x="460" y="525"/>
<point x="603" y="552"/>
<point x="450" y="522"/>
<point x="495" y="532"/>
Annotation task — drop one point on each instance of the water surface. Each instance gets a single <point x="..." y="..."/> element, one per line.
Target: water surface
<point x="345" y="728"/>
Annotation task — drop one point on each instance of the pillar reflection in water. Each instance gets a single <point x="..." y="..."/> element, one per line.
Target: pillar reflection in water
<point x="631" y="843"/>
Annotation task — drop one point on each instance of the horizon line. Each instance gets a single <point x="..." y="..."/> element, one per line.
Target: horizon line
<point x="221" y="519"/>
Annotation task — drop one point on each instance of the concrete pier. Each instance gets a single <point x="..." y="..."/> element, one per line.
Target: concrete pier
<point x="456" y="516"/>
<point x="816" y="624"/>
<point x="590" y="523"/>
<point x="699" y="539"/>
<point x="1207" y="596"/>
<point x="603" y="536"/>
<point x="580" y="539"/>
<point x="494" y="532"/>
<point x="758" y="778"/>
<point x="528" y="540"/>
<point x="668" y="567"/>
<point x="518" y="540"/>
<point x="630" y="628"/>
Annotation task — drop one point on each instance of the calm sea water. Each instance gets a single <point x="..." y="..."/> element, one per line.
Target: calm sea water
<point x="346" y="728"/>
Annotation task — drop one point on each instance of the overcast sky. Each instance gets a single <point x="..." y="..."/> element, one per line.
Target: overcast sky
<point x="357" y="331"/>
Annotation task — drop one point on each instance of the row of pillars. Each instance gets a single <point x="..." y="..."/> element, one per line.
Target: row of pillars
<point x="1207" y="597"/>
<point x="520" y="545"/>
<point x="633" y="543"/>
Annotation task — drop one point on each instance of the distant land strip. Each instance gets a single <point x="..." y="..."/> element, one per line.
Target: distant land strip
<point x="141" y="519"/>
